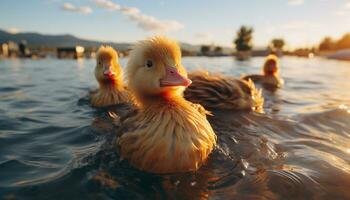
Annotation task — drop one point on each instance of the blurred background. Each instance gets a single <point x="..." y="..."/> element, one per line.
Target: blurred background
<point x="75" y="28"/>
<point x="54" y="145"/>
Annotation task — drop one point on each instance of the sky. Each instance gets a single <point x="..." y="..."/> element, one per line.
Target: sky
<point x="301" y="23"/>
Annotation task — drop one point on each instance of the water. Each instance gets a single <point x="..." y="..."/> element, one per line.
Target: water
<point x="53" y="145"/>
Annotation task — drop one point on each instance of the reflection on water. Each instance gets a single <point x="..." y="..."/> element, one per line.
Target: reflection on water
<point x="53" y="145"/>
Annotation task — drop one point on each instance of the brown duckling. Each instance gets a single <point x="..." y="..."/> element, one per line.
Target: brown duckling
<point x="215" y="91"/>
<point x="270" y="77"/>
<point x="168" y="134"/>
<point x="108" y="73"/>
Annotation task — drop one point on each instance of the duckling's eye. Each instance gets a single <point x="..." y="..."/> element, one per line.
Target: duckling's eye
<point x="149" y="63"/>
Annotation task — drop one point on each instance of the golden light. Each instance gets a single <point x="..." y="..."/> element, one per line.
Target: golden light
<point x="79" y="49"/>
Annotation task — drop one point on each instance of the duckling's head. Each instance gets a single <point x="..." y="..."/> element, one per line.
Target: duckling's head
<point x="154" y="68"/>
<point x="108" y="70"/>
<point x="271" y="65"/>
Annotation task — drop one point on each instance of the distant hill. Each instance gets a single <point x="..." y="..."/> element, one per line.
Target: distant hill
<point x="53" y="41"/>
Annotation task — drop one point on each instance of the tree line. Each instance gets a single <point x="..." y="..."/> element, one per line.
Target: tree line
<point x="244" y="40"/>
<point x="329" y="44"/>
<point x="243" y="43"/>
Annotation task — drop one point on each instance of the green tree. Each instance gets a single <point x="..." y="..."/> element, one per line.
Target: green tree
<point x="344" y="42"/>
<point x="218" y="50"/>
<point x="205" y="49"/>
<point x="243" y="41"/>
<point x="278" y="43"/>
<point x="326" y="44"/>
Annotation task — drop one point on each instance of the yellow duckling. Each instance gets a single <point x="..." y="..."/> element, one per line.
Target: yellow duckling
<point x="215" y="91"/>
<point x="270" y="76"/>
<point x="168" y="134"/>
<point x="108" y="73"/>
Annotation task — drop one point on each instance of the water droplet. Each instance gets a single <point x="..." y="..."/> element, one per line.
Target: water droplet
<point x="245" y="164"/>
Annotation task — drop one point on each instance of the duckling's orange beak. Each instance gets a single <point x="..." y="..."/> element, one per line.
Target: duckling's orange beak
<point x="174" y="78"/>
<point x="107" y="71"/>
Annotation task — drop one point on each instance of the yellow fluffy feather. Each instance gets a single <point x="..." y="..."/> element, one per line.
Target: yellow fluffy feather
<point x="168" y="134"/>
<point x="215" y="91"/>
<point x="270" y="77"/>
<point x="111" y="90"/>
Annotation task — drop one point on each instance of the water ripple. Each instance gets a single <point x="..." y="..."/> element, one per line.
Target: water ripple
<point x="53" y="145"/>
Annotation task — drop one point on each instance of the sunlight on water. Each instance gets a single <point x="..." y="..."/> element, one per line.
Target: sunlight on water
<point x="344" y="107"/>
<point x="54" y="145"/>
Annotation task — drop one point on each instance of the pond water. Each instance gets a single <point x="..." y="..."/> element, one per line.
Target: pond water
<point x="53" y="145"/>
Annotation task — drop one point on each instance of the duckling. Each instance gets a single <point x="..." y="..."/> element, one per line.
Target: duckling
<point x="270" y="77"/>
<point x="108" y="73"/>
<point x="218" y="92"/>
<point x="168" y="134"/>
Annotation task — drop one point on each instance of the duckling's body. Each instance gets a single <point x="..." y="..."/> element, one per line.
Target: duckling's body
<point x="264" y="79"/>
<point x="108" y="73"/>
<point x="270" y="77"/>
<point x="168" y="134"/>
<point x="215" y="91"/>
<point x="108" y="95"/>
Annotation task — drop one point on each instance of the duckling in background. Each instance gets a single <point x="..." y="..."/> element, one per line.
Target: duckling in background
<point x="215" y="91"/>
<point x="108" y="73"/>
<point x="167" y="134"/>
<point x="270" y="77"/>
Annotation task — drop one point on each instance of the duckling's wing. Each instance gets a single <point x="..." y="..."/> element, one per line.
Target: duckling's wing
<point x="214" y="91"/>
<point x="251" y="98"/>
